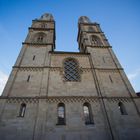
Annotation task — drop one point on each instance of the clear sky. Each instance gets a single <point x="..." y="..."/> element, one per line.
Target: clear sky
<point x="119" y="19"/>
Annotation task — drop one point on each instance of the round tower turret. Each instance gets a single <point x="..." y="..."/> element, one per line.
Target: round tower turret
<point x="47" y="16"/>
<point x="84" y="19"/>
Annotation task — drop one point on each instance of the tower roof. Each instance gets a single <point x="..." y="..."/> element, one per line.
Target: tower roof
<point x="84" y="19"/>
<point x="47" y="16"/>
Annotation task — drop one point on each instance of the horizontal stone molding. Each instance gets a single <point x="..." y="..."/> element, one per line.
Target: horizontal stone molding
<point x="119" y="99"/>
<point x="115" y="70"/>
<point x="69" y="54"/>
<point x="22" y="100"/>
<point x="43" y="21"/>
<point x="53" y="68"/>
<point x="29" y="68"/>
<point x="33" y="44"/>
<point x="86" y="69"/>
<point x="99" y="47"/>
<point x="72" y="99"/>
<point x="40" y="28"/>
<point x="66" y="99"/>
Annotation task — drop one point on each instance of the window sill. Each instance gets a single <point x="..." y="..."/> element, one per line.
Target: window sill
<point x="89" y="123"/>
<point x="61" y="124"/>
<point x="20" y="116"/>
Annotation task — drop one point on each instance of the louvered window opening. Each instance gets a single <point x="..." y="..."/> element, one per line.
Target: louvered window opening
<point x="71" y="70"/>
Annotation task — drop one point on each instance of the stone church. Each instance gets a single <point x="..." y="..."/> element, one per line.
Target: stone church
<point x="55" y="95"/>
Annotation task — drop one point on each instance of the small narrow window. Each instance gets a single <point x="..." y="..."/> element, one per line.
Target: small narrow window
<point x="28" y="79"/>
<point x="103" y="59"/>
<point x="87" y="113"/>
<point x="61" y="114"/>
<point x="110" y="79"/>
<point x="122" y="108"/>
<point x="82" y="48"/>
<point x="34" y="57"/>
<point x="22" y="110"/>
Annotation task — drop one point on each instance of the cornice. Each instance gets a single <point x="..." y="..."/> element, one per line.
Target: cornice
<point x="108" y="69"/>
<point x="74" y="53"/>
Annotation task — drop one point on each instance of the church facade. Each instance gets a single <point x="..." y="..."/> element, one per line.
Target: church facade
<point x="54" y="95"/>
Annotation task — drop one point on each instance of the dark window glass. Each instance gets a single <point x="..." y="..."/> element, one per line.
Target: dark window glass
<point x="28" y="79"/>
<point x="71" y="70"/>
<point x="87" y="113"/>
<point x="110" y="79"/>
<point x="122" y="108"/>
<point x="61" y="114"/>
<point x="22" y="110"/>
<point x="34" y="57"/>
<point x="40" y="39"/>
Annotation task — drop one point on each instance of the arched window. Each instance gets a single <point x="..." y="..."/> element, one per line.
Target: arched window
<point x="122" y="108"/>
<point x="71" y="70"/>
<point x="22" y="110"/>
<point x="87" y="113"/>
<point x="61" y="114"/>
<point x="39" y="37"/>
<point x="96" y="41"/>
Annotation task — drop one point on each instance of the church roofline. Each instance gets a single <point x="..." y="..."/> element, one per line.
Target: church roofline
<point x="62" y="52"/>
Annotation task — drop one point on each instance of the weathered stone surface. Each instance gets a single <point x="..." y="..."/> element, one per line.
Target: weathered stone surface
<point x="37" y="80"/>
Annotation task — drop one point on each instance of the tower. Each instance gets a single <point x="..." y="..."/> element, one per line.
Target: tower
<point x="53" y="95"/>
<point x="113" y="86"/>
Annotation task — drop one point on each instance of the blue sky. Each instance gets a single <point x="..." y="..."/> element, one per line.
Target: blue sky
<point x="119" y="19"/>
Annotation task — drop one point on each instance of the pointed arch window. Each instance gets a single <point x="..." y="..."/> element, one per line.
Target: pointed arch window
<point x="122" y="108"/>
<point x="87" y="114"/>
<point x="61" y="114"/>
<point x="22" y="110"/>
<point x="96" y="41"/>
<point x="71" y="70"/>
<point x="39" y="37"/>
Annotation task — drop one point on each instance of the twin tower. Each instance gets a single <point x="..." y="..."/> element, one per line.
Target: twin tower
<point x="53" y="95"/>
